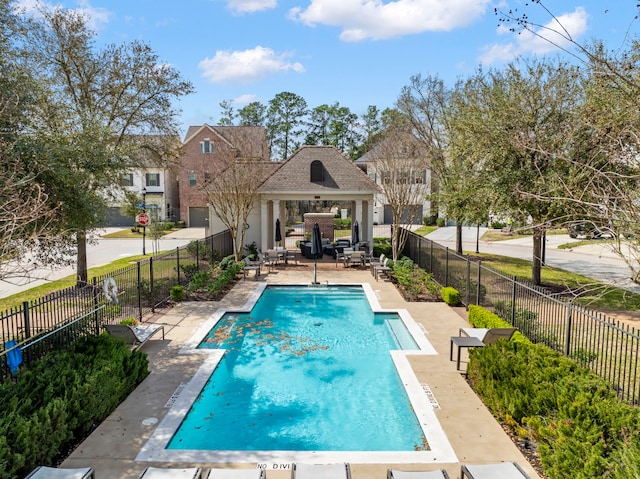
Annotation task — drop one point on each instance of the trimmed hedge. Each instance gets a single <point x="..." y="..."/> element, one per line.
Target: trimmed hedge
<point x="581" y="428"/>
<point x="450" y="295"/>
<point x="480" y="317"/>
<point x="59" y="399"/>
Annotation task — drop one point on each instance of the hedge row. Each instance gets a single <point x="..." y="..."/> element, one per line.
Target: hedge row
<point x="483" y="318"/>
<point x="580" y="427"/>
<point x="57" y="400"/>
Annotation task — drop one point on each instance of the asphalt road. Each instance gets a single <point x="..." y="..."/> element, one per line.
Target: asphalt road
<point x="596" y="261"/>
<point x="104" y="251"/>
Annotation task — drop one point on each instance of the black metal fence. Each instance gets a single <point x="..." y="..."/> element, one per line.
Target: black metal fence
<point x="605" y="346"/>
<point x="42" y="325"/>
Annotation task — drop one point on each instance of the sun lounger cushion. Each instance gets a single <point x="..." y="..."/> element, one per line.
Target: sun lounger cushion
<point x="44" y="472"/>
<point x="235" y="474"/>
<point x="503" y="470"/>
<point x="395" y="474"/>
<point x="321" y="471"/>
<point x="135" y="336"/>
<point x="170" y="473"/>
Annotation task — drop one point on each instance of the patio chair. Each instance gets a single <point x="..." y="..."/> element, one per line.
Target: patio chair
<point x="342" y="253"/>
<point x="321" y="471"/>
<point x="251" y="266"/>
<point x="136" y="336"/>
<point x="376" y="261"/>
<point x="214" y="473"/>
<point x="171" y="473"/>
<point x="491" y="336"/>
<point x="503" y="470"/>
<point x="395" y="474"/>
<point x="356" y="257"/>
<point x="381" y="268"/>
<point x="44" y="472"/>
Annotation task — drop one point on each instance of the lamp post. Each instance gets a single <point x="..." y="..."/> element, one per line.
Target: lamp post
<point x="144" y="227"/>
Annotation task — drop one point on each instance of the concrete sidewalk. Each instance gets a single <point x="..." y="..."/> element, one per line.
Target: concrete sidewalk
<point x="472" y="432"/>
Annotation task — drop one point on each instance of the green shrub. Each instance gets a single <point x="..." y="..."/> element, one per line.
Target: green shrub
<point x="62" y="397"/>
<point x="582" y="430"/>
<point x="450" y="295"/>
<point x="342" y="224"/>
<point x="177" y="293"/>
<point x="441" y="222"/>
<point x="130" y="322"/>
<point x="199" y="280"/>
<point x="227" y="261"/>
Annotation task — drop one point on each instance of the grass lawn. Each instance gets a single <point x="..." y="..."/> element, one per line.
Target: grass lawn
<point x="588" y="292"/>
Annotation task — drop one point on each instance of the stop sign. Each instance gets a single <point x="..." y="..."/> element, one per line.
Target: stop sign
<point x="143" y="219"/>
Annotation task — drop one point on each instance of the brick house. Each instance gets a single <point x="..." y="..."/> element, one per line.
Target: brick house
<point x="204" y="150"/>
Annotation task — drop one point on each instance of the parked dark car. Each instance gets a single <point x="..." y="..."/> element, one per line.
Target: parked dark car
<point x="590" y="230"/>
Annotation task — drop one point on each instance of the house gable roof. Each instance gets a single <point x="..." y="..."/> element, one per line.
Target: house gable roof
<point x="340" y="174"/>
<point x="250" y="141"/>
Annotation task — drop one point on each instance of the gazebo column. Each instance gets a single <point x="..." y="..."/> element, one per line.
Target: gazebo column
<point x="369" y="227"/>
<point x="264" y="226"/>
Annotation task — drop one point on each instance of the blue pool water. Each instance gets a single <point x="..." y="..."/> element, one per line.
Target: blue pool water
<point x="308" y="369"/>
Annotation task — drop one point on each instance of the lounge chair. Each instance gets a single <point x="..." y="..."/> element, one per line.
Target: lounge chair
<point x="503" y="470"/>
<point x="395" y="474"/>
<point x="381" y="268"/>
<point x="491" y="336"/>
<point x="356" y="257"/>
<point x="136" y="336"/>
<point x="235" y="474"/>
<point x="171" y="473"/>
<point x="321" y="471"/>
<point x="44" y="472"/>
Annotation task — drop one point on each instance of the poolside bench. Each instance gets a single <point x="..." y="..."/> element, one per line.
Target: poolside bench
<point x="137" y="336"/>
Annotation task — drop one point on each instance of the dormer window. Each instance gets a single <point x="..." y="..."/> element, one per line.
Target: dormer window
<point x="206" y="146"/>
<point x="317" y="172"/>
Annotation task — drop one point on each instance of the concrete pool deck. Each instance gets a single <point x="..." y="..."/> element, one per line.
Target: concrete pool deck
<point x="471" y="430"/>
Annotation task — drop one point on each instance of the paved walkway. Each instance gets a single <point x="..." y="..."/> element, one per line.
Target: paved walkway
<point x="472" y="432"/>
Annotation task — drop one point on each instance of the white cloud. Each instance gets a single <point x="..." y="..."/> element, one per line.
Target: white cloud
<point x="251" y="6"/>
<point x="547" y="38"/>
<point x="94" y="17"/>
<point x="246" y="66"/>
<point x="373" y="19"/>
<point x="244" y="99"/>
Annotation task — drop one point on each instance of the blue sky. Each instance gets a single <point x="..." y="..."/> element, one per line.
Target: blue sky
<point x="354" y="52"/>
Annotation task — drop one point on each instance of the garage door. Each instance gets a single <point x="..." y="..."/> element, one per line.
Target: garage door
<point x="388" y="216"/>
<point x="198" y="217"/>
<point x="115" y="218"/>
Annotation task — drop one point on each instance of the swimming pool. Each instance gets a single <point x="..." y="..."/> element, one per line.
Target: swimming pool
<point x="303" y="390"/>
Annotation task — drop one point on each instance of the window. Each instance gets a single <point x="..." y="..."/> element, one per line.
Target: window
<point x="317" y="172"/>
<point x="127" y="179"/>
<point x="207" y="176"/>
<point x="206" y="146"/>
<point x="152" y="179"/>
<point x="192" y="179"/>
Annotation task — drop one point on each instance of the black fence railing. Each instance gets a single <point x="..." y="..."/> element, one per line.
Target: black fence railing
<point x="607" y="347"/>
<point x="44" y="324"/>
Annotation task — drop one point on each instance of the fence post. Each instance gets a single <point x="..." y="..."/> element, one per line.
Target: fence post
<point x="478" y="286"/>
<point x="513" y="302"/>
<point x="468" y="279"/>
<point x="151" y="290"/>
<point x="139" y="291"/>
<point x="178" y="264"/>
<point x="446" y="267"/>
<point x="567" y="342"/>
<point x="27" y="319"/>
<point x="96" y="316"/>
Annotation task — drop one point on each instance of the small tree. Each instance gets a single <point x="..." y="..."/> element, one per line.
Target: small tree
<point x="401" y="163"/>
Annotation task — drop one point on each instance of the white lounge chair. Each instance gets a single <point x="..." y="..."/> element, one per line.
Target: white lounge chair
<point x="214" y="473"/>
<point x="321" y="471"/>
<point x="44" y="472"/>
<point x="491" y="336"/>
<point x="136" y="336"/>
<point x="171" y="473"/>
<point x="395" y="474"/>
<point x="503" y="470"/>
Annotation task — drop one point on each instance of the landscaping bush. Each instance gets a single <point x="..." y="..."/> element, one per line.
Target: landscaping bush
<point x="342" y="224"/>
<point x="581" y="428"/>
<point x="480" y="317"/>
<point x="57" y="400"/>
<point x="450" y="295"/>
<point x="441" y="222"/>
<point x="177" y="293"/>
